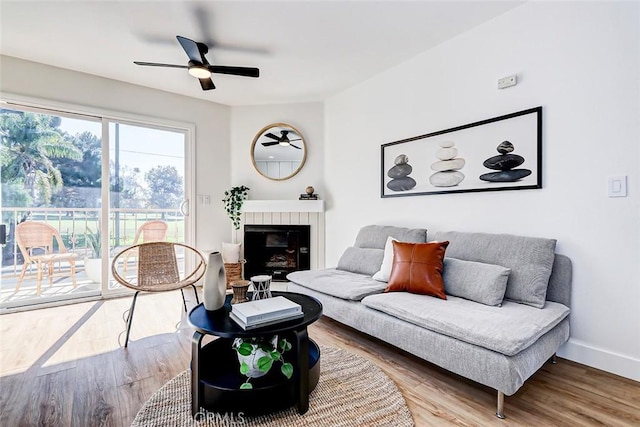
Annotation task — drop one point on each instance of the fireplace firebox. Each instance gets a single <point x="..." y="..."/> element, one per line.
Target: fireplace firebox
<point x="276" y="250"/>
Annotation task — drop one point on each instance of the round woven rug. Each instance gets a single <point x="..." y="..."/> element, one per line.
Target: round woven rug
<point x="352" y="392"/>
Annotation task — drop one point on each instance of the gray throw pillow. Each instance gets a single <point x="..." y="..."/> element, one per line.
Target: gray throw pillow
<point x="375" y="236"/>
<point x="475" y="281"/>
<point x="529" y="258"/>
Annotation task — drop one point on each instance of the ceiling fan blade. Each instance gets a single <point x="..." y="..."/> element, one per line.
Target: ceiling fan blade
<point x="235" y="71"/>
<point x="207" y="84"/>
<point x="203" y="21"/>
<point x="155" y="64"/>
<point x="299" y="139"/>
<point x="191" y="49"/>
<point x="295" y="146"/>
<point x="269" y="144"/>
<point x="272" y="136"/>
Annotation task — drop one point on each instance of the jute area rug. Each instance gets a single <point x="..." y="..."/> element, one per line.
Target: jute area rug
<point x="352" y="392"/>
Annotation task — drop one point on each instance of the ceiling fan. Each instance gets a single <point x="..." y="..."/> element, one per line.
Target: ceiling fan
<point x="282" y="140"/>
<point x="199" y="67"/>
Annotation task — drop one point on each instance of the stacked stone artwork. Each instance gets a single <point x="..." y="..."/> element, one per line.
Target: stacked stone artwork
<point x="505" y="163"/>
<point x="399" y="174"/>
<point x="447" y="167"/>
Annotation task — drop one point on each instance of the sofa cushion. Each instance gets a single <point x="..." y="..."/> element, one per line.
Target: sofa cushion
<point x="475" y="281"/>
<point x="375" y="236"/>
<point x="508" y="329"/>
<point x="365" y="257"/>
<point x="337" y="283"/>
<point x="361" y="260"/>
<point x="417" y="268"/>
<point x="529" y="258"/>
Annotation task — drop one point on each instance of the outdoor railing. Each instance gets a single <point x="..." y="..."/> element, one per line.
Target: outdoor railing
<point x="75" y="225"/>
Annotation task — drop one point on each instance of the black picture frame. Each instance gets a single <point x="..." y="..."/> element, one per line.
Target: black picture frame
<point x="454" y="160"/>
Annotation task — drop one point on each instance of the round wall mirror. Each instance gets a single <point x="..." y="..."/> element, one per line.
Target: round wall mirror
<point x="278" y="151"/>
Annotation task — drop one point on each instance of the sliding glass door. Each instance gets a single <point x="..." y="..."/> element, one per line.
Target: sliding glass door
<point x="51" y="186"/>
<point x="76" y="190"/>
<point x="147" y="188"/>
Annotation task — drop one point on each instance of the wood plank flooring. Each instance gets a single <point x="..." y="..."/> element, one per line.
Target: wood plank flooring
<point x="63" y="366"/>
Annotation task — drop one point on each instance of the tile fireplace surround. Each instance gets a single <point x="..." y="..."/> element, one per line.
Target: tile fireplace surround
<point x="287" y="212"/>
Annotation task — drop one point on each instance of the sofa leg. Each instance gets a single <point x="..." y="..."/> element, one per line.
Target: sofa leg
<point x="500" y="409"/>
<point x="553" y="359"/>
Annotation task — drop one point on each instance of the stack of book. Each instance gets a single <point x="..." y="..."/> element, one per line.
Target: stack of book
<point x="308" y="197"/>
<point x="255" y="314"/>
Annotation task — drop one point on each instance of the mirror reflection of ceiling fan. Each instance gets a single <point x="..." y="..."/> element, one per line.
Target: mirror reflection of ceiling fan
<point x="282" y="140"/>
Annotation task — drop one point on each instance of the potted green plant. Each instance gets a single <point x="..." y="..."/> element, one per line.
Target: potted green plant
<point x="93" y="262"/>
<point x="94" y="243"/>
<point x="257" y="355"/>
<point x="233" y="200"/>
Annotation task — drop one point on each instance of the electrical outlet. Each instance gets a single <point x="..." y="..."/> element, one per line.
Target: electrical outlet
<point x="506" y="82"/>
<point x="207" y="199"/>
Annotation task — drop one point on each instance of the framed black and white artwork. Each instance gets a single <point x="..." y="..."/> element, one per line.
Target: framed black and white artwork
<point x="501" y="153"/>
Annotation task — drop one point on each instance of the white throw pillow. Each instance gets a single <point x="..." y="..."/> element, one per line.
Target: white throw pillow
<point x="231" y="252"/>
<point x="387" y="262"/>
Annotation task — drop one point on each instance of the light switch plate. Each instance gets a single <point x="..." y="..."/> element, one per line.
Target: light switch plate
<point x="618" y="186"/>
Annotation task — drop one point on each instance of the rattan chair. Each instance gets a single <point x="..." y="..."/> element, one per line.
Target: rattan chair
<point x="33" y="237"/>
<point x="157" y="271"/>
<point x="150" y="231"/>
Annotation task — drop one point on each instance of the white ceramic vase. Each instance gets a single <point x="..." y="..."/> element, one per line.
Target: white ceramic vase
<point x="93" y="269"/>
<point x="214" y="288"/>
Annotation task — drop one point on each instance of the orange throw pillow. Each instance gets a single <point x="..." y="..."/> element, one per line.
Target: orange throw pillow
<point x="417" y="268"/>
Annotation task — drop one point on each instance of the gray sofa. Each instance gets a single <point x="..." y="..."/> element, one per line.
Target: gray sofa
<point x="500" y="345"/>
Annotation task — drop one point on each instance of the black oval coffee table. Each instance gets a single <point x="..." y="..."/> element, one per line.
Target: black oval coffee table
<point x="215" y="376"/>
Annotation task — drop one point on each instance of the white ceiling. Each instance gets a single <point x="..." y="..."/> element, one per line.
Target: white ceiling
<point x="306" y="50"/>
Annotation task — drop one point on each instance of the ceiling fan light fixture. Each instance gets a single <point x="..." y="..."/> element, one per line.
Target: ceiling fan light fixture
<point x="284" y="143"/>
<point x="199" y="71"/>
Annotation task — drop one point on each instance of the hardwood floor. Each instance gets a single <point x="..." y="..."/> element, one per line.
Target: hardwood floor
<point x="63" y="366"/>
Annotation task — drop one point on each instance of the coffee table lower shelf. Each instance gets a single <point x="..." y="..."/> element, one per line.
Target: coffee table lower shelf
<point x="220" y="379"/>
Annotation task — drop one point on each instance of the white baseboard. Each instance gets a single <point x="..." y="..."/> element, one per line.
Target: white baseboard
<point x="599" y="358"/>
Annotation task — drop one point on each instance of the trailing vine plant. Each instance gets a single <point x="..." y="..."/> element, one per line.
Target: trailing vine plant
<point x="233" y="200"/>
<point x="249" y="347"/>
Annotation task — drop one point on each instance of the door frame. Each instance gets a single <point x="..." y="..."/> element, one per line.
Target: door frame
<point x="106" y="116"/>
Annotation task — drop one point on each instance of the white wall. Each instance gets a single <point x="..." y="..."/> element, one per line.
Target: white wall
<point x="580" y="61"/>
<point x="211" y="121"/>
<point x="246" y="121"/>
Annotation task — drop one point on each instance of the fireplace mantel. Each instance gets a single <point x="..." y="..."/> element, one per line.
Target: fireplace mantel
<point x="283" y="206"/>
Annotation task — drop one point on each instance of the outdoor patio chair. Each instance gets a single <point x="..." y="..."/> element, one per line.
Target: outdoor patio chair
<point x="150" y="231"/>
<point x="35" y="240"/>
<point x="158" y="272"/>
